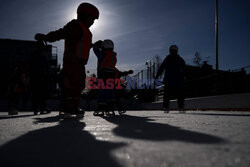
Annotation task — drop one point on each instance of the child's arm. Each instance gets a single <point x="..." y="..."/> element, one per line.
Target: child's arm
<point x="161" y="69"/>
<point x="97" y="49"/>
<point x="125" y="73"/>
<point x="72" y="30"/>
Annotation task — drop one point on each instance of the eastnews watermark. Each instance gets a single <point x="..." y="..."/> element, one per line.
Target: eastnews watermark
<point x="130" y="83"/>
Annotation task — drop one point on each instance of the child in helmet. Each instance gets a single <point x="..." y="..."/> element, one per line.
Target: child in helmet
<point x="78" y="42"/>
<point x="106" y="56"/>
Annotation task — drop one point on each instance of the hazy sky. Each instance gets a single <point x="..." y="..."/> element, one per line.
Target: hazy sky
<point x="142" y="29"/>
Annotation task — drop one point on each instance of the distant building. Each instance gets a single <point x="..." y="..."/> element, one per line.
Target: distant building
<point x="21" y="52"/>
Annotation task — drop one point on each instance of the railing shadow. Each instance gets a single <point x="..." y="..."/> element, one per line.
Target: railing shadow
<point x="221" y="114"/>
<point x="15" y="116"/>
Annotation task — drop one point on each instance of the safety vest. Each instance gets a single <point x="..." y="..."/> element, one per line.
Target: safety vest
<point x="109" y="60"/>
<point x="84" y="45"/>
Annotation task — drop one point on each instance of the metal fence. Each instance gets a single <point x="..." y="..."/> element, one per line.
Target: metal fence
<point x="146" y="76"/>
<point x="199" y="81"/>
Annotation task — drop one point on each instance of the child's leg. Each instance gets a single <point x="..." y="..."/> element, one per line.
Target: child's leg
<point x="74" y="82"/>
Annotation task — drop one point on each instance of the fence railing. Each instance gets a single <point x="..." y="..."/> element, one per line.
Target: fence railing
<point x="199" y="81"/>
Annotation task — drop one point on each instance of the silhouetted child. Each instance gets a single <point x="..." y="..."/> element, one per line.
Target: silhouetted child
<point x="106" y="56"/>
<point x="18" y="89"/>
<point x="78" y="42"/>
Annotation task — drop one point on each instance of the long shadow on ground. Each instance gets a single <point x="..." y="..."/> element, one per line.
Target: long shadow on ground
<point x="141" y="128"/>
<point x="64" y="145"/>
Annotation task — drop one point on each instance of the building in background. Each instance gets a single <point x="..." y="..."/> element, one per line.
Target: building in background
<point x="14" y="53"/>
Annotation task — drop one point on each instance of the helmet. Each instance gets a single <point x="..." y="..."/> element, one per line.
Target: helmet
<point x="107" y="44"/>
<point x="173" y="47"/>
<point x="89" y="9"/>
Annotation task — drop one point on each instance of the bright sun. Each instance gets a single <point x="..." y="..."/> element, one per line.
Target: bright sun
<point x="94" y="27"/>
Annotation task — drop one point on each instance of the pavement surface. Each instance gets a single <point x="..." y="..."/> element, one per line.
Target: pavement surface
<point x="139" y="138"/>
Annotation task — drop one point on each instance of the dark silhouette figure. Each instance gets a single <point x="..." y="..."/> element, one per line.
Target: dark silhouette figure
<point x="174" y="67"/>
<point x="64" y="145"/>
<point x="141" y="128"/>
<point x="18" y="88"/>
<point x="104" y="51"/>
<point x="39" y="80"/>
<point x="78" y="42"/>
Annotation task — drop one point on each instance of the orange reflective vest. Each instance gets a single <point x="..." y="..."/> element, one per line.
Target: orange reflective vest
<point x="84" y="45"/>
<point x="109" y="61"/>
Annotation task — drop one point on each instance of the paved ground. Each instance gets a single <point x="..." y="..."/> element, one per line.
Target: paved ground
<point x="139" y="138"/>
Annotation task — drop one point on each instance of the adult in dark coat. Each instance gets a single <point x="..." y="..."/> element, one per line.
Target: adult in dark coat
<point x="174" y="67"/>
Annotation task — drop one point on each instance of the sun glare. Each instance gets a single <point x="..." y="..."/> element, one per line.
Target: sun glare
<point x="94" y="28"/>
<point x="96" y="25"/>
<point x="99" y="25"/>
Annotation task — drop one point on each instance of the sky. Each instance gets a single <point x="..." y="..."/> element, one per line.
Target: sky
<point x="142" y="29"/>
